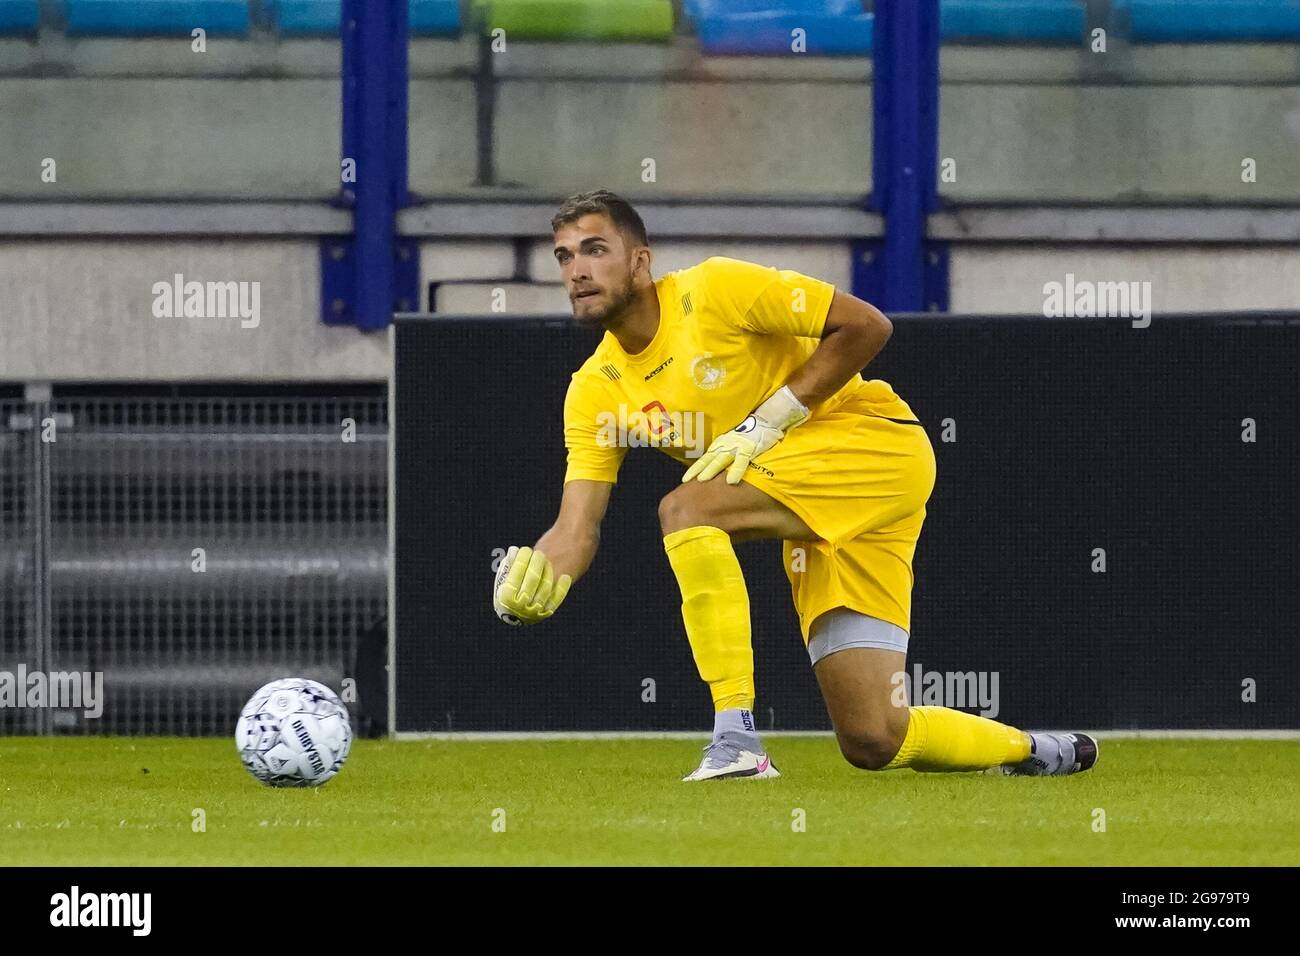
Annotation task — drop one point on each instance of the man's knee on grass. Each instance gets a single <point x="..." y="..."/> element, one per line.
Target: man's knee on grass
<point x="871" y="745"/>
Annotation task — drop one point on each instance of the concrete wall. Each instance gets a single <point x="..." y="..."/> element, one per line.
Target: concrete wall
<point x="260" y="119"/>
<point x="1183" y="278"/>
<point x="1060" y="143"/>
<point x="206" y="138"/>
<point x="83" y="309"/>
<point x="1045" y="125"/>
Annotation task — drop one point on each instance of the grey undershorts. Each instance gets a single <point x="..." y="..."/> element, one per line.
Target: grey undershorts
<point x="842" y="628"/>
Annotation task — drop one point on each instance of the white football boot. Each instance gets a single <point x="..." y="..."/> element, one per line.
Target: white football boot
<point x="1075" y="753"/>
<point x="728" y="759"/>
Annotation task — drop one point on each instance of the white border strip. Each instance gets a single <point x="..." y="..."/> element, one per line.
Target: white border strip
<point x="701" y="734"/>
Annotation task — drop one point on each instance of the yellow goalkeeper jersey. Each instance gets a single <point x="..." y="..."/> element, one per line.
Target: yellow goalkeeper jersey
<point x="730" y="334"/>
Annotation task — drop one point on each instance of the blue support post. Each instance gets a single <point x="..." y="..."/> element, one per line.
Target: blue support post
<point x="366" y="277"/>
<point x="905" y="272"/>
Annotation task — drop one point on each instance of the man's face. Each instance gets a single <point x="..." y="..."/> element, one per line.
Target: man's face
<point x="596" y="266"/>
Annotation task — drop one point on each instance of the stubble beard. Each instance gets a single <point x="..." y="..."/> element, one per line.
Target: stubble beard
<point x="609" y="317"/>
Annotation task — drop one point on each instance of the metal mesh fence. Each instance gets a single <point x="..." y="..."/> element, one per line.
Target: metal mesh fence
<point x="203" y="545"/>
<point x="17" y="548"/>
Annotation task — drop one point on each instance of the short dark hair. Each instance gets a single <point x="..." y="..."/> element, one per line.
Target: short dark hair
<point x="602" y="202"/>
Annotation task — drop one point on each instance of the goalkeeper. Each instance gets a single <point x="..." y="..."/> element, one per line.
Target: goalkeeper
<point x="797" y="446"/>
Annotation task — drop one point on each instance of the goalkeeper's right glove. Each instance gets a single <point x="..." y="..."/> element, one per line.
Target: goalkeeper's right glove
<point x="526" y="590"/>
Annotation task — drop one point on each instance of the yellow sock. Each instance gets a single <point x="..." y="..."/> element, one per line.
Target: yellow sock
<point x="940" y="739"/>
<point x="715" y="609"/>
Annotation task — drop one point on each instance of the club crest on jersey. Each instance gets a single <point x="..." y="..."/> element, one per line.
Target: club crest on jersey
<point x="707" y="372"/>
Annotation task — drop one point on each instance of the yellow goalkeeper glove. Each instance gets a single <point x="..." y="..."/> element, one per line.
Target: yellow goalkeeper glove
<point x="526" y="590"/>
<point x="735" y="449"/>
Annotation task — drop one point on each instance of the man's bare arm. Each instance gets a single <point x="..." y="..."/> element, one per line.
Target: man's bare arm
<point x="572" y="541"/>
<point x="855" y="333"/>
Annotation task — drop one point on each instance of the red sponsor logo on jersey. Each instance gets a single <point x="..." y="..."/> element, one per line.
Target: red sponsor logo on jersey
<point x="660" y="423"/>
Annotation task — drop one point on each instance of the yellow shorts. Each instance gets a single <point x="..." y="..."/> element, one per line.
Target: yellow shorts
<point x="859" y="477"/>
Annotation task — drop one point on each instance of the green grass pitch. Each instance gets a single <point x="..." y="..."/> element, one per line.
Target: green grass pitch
<point x="117" y="801"/>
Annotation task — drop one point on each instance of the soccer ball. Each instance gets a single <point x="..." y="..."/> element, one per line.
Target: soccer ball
<point x="293" y="732"/>
<point x="503" y="569"/>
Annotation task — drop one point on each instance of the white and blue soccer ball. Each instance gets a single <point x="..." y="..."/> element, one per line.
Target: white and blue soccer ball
<point x="294" y="732"/>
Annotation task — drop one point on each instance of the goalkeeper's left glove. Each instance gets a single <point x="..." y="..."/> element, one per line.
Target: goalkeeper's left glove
<point x="764" y="427"/>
